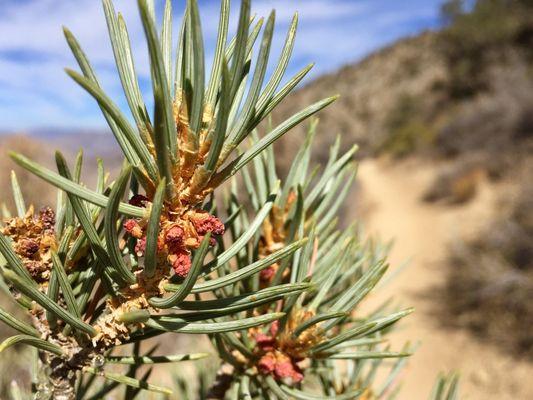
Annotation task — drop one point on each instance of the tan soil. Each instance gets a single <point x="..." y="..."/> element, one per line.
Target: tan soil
<point x="391" y="208"/>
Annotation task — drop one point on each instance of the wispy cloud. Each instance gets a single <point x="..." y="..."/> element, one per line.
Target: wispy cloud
<point x="34" y="91"/>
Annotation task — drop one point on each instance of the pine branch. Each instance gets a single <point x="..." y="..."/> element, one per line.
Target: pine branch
<point x="276" y="286"/>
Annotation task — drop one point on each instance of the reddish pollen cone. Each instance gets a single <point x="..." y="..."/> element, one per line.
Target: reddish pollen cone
<point x="212" y="240"/>
<point x="275" y="362"/>
<point x="267" y="364"/>
<point x="133" y="228"/>
<point x="287" y="369"/>
<point x="274" y="328"/>
<point x="182" y="264"/>
<point x="267" y="274"/>
<point x="204" y="223"/>
<point x="175" y="236"/>
<point x="265" y="342"/>
<point x="140" y="247"/>
<point x="280" y="367"/>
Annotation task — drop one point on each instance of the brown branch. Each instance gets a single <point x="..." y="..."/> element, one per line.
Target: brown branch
<point x="222" y="383"/>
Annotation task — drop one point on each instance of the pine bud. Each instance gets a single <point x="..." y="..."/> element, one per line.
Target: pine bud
<point x="133" y="228"/>
<point x="174" y="236"/>
<point x="204" y="222"/>
<point x="181" y="264"/>
<point x="28" y="247"/>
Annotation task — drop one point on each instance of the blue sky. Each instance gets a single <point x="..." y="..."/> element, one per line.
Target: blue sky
<point x="35" y="92"/>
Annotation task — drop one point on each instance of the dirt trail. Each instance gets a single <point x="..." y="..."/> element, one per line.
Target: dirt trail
<point x="391" y="197"/>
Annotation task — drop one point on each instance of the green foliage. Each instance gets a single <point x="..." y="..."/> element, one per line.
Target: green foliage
<point x="476" y="37"/>
<point x="407" y="131"/>
<point x="446" y="388"/>
<point x="451" y="10"/>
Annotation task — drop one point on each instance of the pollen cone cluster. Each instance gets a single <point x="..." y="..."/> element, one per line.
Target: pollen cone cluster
<point x="179" y="234"/>
<point x="282" y="354"/>
<point x="34" y="239"/>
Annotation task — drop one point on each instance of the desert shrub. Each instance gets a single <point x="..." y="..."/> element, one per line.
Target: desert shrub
<point x="407" y="131"/>
<point x="456" y="184"/>
<point x="481" y="35"/>
<point x="495" y="126"/>
<point x="407" y="138"/>
<point x="490" y="286"/>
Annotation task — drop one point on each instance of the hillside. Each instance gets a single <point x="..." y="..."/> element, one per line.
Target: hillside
<point x="370" y="92"/>
<point x="464" y="90"/>
<point x="40" y="146"/>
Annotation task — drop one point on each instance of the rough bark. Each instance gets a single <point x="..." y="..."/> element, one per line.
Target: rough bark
<point x="222" y="383"/>
<point x="56" y="380"/>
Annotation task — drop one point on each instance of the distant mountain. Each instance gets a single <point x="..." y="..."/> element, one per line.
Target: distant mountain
<point x="40" y="145"/>
<point x="95" y="143"/>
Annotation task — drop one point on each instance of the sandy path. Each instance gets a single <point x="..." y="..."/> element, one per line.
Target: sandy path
<point x="391" y="196"/>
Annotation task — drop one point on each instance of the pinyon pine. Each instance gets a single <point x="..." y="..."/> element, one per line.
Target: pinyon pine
<point x="198" y="235"/>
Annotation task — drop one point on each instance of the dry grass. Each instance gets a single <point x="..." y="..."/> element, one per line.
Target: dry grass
<point x="34" y="189"/>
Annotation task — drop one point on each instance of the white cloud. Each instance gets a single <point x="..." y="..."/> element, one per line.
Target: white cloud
<point x="34" y="89"/>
